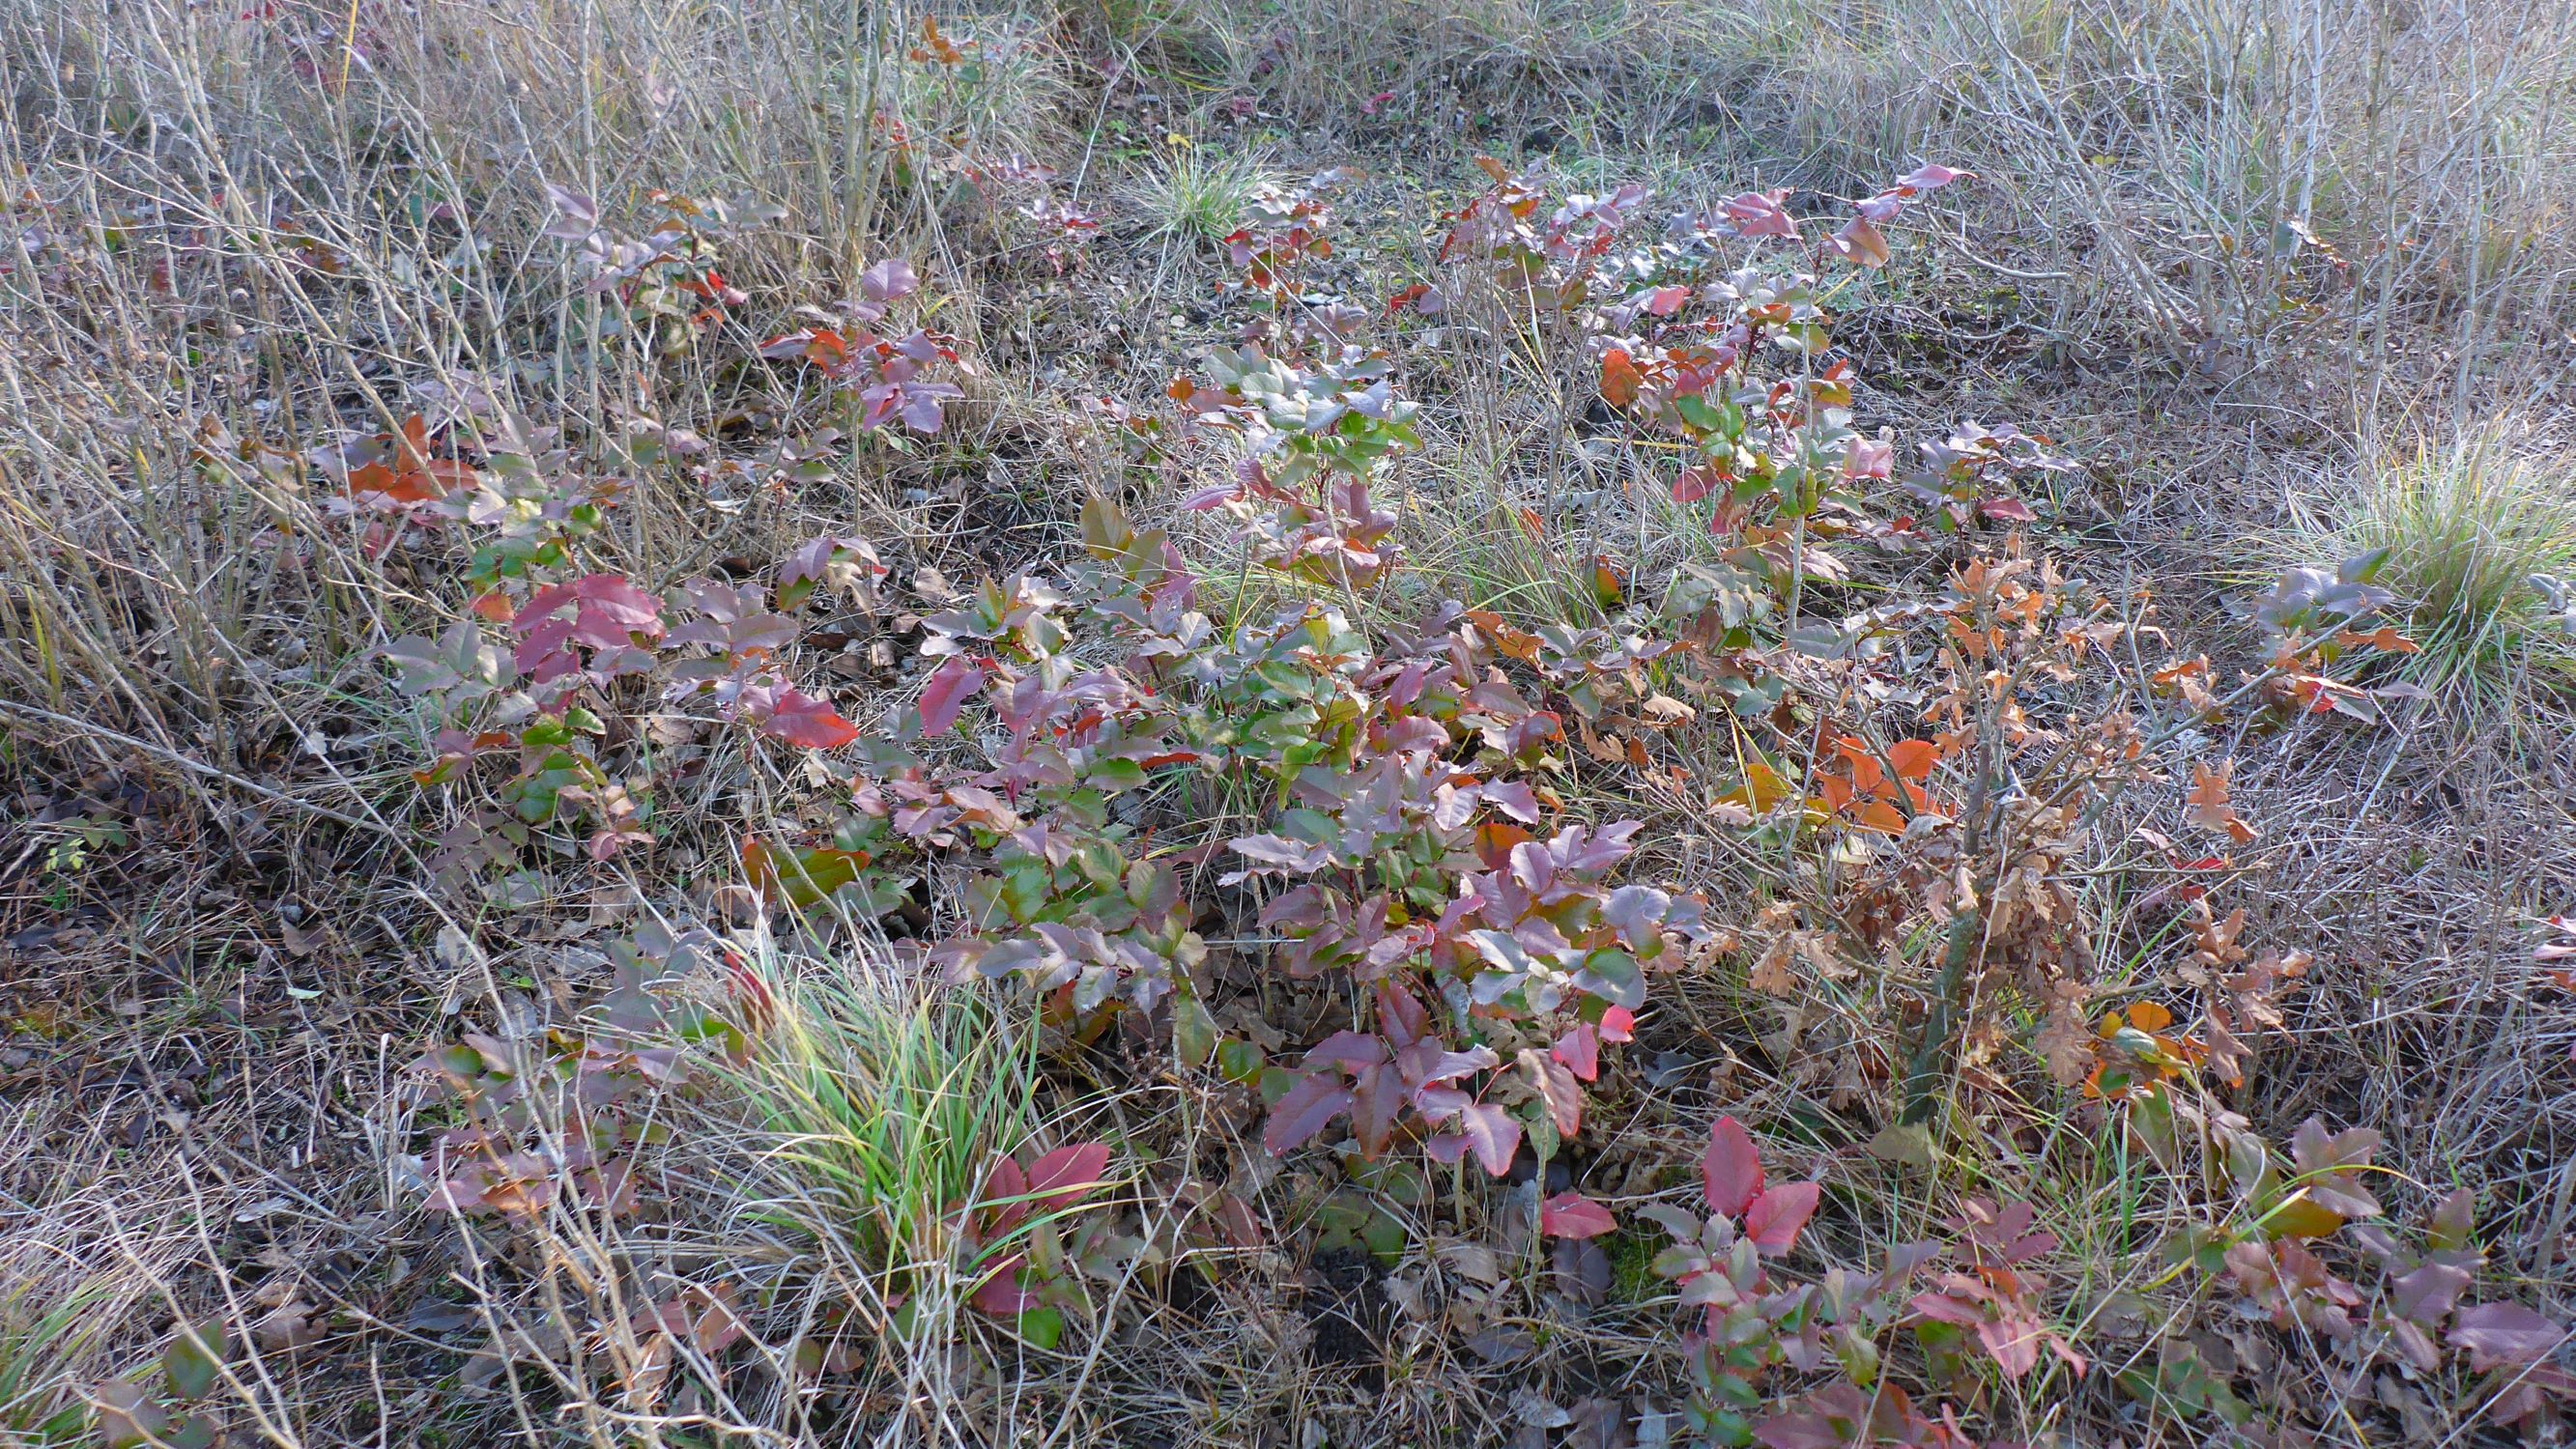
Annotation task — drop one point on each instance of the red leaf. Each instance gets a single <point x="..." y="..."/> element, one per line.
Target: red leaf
<point x="1067" y="1175"/>
<point x="2208" y="802"/>
<point x="618" y="600"/>
<point x="1572" y="1215"/>
<point x="1580" y="1051"/>
<point x="1758" y="214"/>
<point x="946" y="694"/>
<point x="1776" y="1216"/>
<point x="1618" y="1023"/>
<point x="375" y="480"/>
<point x="608" y="613"/>
<point x="1942" y="1308"/>
<point x="1309" y="1108"/>
<point x="1493" y="1132"/>
<point x="759" y="868"/>
<point x="807" y="722"/>
<point x="1402" y="1015"/>
<point x="1001" y="1295"/>
<point x="1933" y="178"/>
<point x="1732" y="1169"/>
<point x="1556" y="1087"/>
<point x="2012" y="1342"/>
<point x="1860" y="243"/>
<point x="1007" y="1191"/>
<point x="1377" y="1094"/>
<point x="2009" y="510"/>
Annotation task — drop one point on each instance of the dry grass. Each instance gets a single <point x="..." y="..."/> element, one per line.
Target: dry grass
<point x="2223" y="248"/>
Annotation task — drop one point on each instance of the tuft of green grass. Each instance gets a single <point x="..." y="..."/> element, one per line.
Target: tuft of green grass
<point x="38" y="1397"/>
<point x="2470" y="536"/>
<point x="1196" y="196"/>
<point x="881" y="1105"/>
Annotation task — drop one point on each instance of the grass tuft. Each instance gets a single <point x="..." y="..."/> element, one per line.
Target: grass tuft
<point x="1195" y="197"/>
<point x="2463" y="530"/>
<point x="882" y="1105"/>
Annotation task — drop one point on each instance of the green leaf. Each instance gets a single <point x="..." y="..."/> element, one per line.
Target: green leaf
<point x="1543" y="1136"/>
<point x="1239" y="1061"/>
<point x="1194" y="1034"/>
<point x="1042" y="1326"/>
<point x="194" y="1358"/>
<point x="1024" y="892"/>
<point x="1384" y="1236"/>
<point x="1613" y="976"/>
<point x="1116" y="775"/>
<point x="1273" y="1082"/>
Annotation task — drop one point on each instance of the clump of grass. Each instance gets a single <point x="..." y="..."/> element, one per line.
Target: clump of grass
<point x="882" y="1105"/>
<point x="2462" y="531"/>
<point x="1196" y="197"/>
<point x="37" y="1395"/>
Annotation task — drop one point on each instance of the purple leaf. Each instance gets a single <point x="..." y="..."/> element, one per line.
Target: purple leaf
<point x="2428" y="1292"/>
<point x="1429" y="1064"/>
<point x="1512" y="797"/>
<point x="1279" y="851"/>
<point x="888" y="280"/>
<point x="921" y="409"/>
<point x="1637" y="913"/>
<point x="2503" y="1333"/>
<point x="576" y="215"/>
<point x="1347" y="1049"/>
<point x="1309" y="1108"/>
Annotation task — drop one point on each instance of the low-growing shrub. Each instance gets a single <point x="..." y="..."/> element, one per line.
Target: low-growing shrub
<point x="1385" y="794"/>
